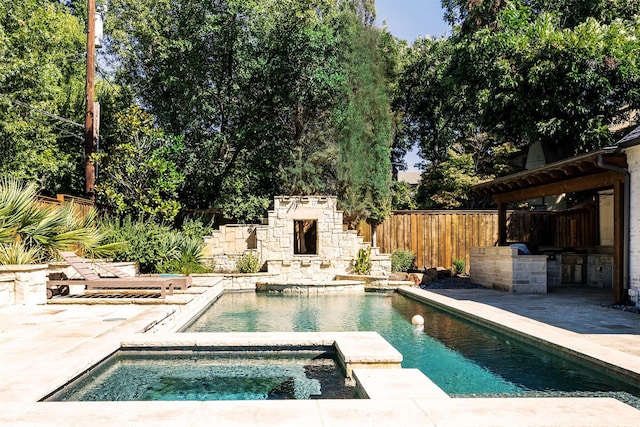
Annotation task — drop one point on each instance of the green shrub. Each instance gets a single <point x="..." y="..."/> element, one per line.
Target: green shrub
<point x="185" y="256"/>
<point x="196" y="228"/>
<point x="36" y="232"/>
<point x="248" y="263"/>
<point x="156" y="247"/>
<point x="402" y="260"/>
<point x="459" y="266"/>
<point x="362" y="264"/>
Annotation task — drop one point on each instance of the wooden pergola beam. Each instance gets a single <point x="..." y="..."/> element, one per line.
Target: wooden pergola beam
<point x="590" y="182"/>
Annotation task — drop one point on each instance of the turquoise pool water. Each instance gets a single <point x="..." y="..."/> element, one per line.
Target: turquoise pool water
<point x="462" y="358"/>
<point x="215" y="375"/>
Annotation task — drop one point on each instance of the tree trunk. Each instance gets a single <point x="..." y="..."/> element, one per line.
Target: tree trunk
<point x="374" y="235"/>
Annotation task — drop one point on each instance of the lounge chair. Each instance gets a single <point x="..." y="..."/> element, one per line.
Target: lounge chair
<point x="92" y="281"/>
<point x="179" y="282"/>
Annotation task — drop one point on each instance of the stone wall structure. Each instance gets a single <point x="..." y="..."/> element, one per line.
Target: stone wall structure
<point x="328" y="249"/>
<point x="501" y="267"/>
<point x="229" y="243"/>
<point x="23" y="284"/>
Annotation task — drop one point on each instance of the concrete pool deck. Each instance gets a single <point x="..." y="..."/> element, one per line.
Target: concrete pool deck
<point x="42" y="346"/>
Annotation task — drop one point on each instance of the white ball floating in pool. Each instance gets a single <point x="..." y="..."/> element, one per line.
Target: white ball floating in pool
<point x="417" y="320"/>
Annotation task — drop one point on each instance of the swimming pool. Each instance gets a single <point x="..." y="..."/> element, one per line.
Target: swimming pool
<point x="460" y="357"/>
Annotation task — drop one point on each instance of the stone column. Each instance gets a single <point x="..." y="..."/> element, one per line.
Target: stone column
<point x="29" y="284"/>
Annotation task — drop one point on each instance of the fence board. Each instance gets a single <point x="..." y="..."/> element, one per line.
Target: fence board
<point x="440" y="237"/>
<point x="81" y="205"/>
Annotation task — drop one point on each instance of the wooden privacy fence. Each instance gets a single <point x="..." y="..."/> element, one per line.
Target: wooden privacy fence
<point x="82" y="205"/>
<point x="437" y="238"/>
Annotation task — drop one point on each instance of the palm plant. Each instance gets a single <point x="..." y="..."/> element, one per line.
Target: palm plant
<point x="183" y="255"/>
<point x="39" y="231"/>
<point x="17" y="253"/>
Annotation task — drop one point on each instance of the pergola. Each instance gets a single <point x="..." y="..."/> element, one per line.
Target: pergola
<point x="602" y="169"/>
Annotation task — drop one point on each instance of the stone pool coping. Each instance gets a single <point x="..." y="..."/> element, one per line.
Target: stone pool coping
<point x="354" y="349"/>
<point x="477" y="412"/>
<point x="41" y="346"/>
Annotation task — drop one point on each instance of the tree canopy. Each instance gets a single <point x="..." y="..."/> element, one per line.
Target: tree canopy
<point x="514" y="73"/>
<point x="256" y="89"/>
<point x="41" y="93"/>
<point x="227" y="103"/>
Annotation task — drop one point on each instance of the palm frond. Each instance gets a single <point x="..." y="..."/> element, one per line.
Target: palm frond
<point x="18" y="253"/>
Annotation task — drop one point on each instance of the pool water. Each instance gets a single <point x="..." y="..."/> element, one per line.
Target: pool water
<point x="212" y="376"/>
<point x="460" y="357"/>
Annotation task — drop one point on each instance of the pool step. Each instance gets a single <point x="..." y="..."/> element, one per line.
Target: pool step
<point x="396" y="384"/>
<point x="299" y="287"/>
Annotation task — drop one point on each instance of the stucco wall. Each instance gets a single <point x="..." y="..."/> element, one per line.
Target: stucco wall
<point x="633" y="160"/>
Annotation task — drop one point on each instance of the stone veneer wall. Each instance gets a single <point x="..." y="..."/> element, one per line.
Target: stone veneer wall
<point x="227" y="244"/>
<point x="273" y="242"/>
<point x="23" y="284"/>
<point x="500" y="267"/>
<point x="336" y="247"/>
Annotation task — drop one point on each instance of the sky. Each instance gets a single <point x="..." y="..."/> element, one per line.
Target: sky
<point x="408" y="20"/>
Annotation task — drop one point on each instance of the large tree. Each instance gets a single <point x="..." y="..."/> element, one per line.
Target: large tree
<point x="472" y="15"/>
<point x="244" y="82"/>
<point x="138" y="172"/>
<point x="534" y="81"/>
<point x="515" y="73"/>
<point x="255" y="88"/>
<point x="366" y="130"/>
<point x="41" y="93"/>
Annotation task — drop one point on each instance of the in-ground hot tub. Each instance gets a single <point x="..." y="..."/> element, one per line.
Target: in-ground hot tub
<point x="231" y="366"/>
<point x="211" y="375"/>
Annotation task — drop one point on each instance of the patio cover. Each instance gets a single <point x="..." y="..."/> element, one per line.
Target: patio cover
<point x="604" y="168"/>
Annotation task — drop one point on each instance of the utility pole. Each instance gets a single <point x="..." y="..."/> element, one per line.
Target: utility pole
<point x="90" y="137"/>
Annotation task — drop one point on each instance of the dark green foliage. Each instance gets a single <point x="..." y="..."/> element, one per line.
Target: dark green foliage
<point x="138" y="173"/>
<point x="196" y="228"/>
<point x="248" y="84"/>
<point x="402" y="260"/>
<point x="271" y="97"/>
<point x="515" y="73"/>
<point x="403" y="196"/>
<point x="365" y="126"/>
<point x="41" y="74"/>
<point x="157" y="248"/>
<point x="459" y="266"/>
<point x="449" y="184"/>
<point x="472" y="15"/>
<point x="245" y="100"/>
<point x="535" y="81"/>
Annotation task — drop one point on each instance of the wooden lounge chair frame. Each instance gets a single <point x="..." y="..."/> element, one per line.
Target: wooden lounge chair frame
<point x="92" y="281"/>
<point x="179" y="282"/>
